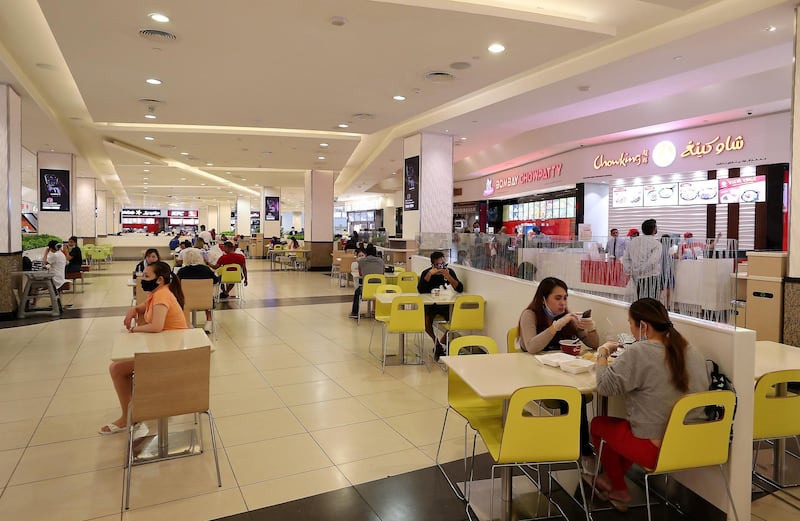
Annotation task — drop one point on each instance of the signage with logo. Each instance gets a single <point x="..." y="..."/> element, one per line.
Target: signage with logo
<point x="140" y="212"/>
<point x="743" y="189"/>
<point x="506" y="181"/>
<point x="717" y="145"/>
<point x="182" y="213"/>
<point x="411" y="184"/>
<point x="54" y="190"/>
<point x="624" y="159"/>
<point x="272" y="208"/>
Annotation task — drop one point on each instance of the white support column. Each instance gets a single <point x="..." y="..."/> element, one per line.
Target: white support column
<point x="213" y="218"/>
<point x="224" y="217"/>
<point x="11" y="202"/>
<point x="319" y="217"/>
<point x="102" y="211"/>
<point x="58" y="223"/>
<point x="793" y="267"/>
<point x="271" y="228"/>
<point x="432" y="181"/>
<point x="243" y="216"/>
<point x="84" y="211"/>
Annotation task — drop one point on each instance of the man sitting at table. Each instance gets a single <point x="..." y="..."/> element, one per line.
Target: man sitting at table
<point x="370" y="264"/>
<point x="56" y="263"/>
<point x="231" y="257"/>
<point x="73" y="254"/>
<point x="434" y="277"/>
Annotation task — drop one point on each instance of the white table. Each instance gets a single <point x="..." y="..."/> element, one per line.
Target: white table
<point x="125" y="346"/>
<point x="774" y="356"/>
<point x="498" y="376"/>
<point x="39" y="279"/>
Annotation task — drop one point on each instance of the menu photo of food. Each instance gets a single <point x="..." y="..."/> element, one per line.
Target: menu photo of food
<point x="751" y="189"/>
<point x="627" y="196"/>
<point x="698" y="192"/>
<point x="661" y="195"/>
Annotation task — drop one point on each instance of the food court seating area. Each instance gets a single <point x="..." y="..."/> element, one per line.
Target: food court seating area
<point x="303" y="412"/>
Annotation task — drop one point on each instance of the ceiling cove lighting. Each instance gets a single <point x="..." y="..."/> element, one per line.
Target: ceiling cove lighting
<point x="496" y="48"/>
<point x="158" y="17"/>
<point x="153" y="81"/>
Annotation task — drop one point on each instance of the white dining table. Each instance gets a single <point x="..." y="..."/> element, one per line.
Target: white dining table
<point x="125" y="346"/>
<point x="498" y="376"/>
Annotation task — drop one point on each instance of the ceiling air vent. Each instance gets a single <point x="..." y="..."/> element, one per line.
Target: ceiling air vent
<point x="154" y="35"/>
<point x="439" y="77"/>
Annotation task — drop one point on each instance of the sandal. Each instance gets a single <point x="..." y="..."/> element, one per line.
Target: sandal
<point x="111" y="428"/>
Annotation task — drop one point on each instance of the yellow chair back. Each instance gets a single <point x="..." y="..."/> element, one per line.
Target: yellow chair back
<point x="407" y="315"/>
<point x="230" y="273"/>
<point x="399" y="269"/>
<point x="468" y="313"/>
<point x="511" y="340"/>
<point x="408" y="281"/>
<point x="692" y="444"/>
<point x="383" y="310"/>
<point x="371" y="283"/>
<point x="528" y="438"/>
<point x="776" y="416"/>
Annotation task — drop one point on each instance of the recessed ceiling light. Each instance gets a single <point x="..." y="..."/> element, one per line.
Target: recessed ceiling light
<point x="146" y="170"/>
<point x="149" y="138"/>
<point x="153" y="81"/>
<point x="244" y="179"/>
<point x="145" y="178"/>
<point x="496" y="48"/>
<point x="462" y="138"/>
<point x="184" y="153"/>
<point x="158" y="17"/>
<point x="150" y="116"/>
<point x="343" y="125"/>
<point x="677" y="58"/>
<point x="321" y="158"/>
<point x="147" y="162"/>
<point x="209" y="164"/>
<point x="183" y="179"/>
<point x="399" y="98"/>
<point x="202" y="184"/>
<point x="770" y="28"/>
<point x="323" y="145"/>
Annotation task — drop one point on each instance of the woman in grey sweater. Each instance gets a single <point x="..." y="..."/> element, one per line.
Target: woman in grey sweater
<point x="652" y="375"/>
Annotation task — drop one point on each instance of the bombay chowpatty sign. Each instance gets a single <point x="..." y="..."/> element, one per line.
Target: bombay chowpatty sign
<point x="507" y="180"/>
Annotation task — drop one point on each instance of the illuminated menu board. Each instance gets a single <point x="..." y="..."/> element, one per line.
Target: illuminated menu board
<point x="661" y="195"/>
<point x="549" y="209"/>
<point x="698" y="192"/>
<point x="743" y="189"/>
<point x="627" y="196"/>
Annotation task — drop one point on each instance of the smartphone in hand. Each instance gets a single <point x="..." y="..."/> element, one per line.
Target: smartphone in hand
<point x="587" y="313"/>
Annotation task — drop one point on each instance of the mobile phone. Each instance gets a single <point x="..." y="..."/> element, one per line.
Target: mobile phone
<point x="587" y="313"/>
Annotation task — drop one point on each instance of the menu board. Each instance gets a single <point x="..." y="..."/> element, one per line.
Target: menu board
<point x="571" y="207"/>
<point x="661" y="195"/>
<point x="626" y="196"/>
<point x="743" y="189"/>
<point x="698" y="192"/>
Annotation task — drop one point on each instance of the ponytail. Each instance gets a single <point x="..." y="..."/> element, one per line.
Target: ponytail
<point x="654" y="313"/>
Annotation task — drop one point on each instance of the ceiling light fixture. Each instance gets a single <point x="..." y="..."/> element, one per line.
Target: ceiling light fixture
<point x="184" y="153"/>
<point x="153" y="81"/>
<point x="183" y="179"/>
<point x="209" y="164"/>
<point x="158" y="17"/>
<point x="147" y="162"/>
<point x="343" y="125"/>
<point x="323" y="145"/>
<point x="399" y="98"/>
<point x="150" y="116"/>
<point x="149" y="138"/>
<point x="770" y="28"/>
<point x="146" y="170"/>
<point x="496" y="48"/>
<point x="321" y="158"/>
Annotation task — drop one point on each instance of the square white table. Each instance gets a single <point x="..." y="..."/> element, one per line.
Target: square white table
<point x="125" y="346"/>
<point x="498" y="376"/>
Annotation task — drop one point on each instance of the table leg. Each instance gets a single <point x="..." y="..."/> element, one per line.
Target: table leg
<point x="163" y="437"/>
<point x="24" y="300"/>
<point x="779" y="452"/>
<point x="54" y="298"/>
<point x="506" y="479"/>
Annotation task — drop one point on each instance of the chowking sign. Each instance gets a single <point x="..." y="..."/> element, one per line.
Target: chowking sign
<point x="502" y="182"/>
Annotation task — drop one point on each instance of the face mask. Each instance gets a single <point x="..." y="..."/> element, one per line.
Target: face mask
<point x="149" y="285"/>
<point x="548" y="312"/>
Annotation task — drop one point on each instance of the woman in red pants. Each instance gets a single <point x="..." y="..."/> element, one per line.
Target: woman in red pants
<point x="652" y="374"/>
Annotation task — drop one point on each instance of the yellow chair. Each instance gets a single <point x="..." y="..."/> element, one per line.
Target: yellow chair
<point x="691" y="442"/>
<point x="408" y="281"/>
<point x="525" y="439"/>
<point x="399" y="269"/>
<point x="198" y="295"/>
<point x="370" y="285"/>
<point x="382" y="312"/>
<point x="169" y="383"/>
<point x="232" y="274"/>
<point x="407" y="316"/>
<point x="511" y="340"/>
<point x="775" y="414"/>
<point x="468" y="315"/>
<point x="463" y="400"/>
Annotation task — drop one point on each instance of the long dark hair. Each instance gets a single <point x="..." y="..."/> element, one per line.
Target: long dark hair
<point x="162" y="269"/>
<point x="546" y="287"/>
<point x="654" y="313"/>
<point x="148" y="251"/>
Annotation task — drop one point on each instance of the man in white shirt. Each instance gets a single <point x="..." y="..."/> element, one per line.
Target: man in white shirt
<point x="205" y="235"/>
<point x="615" y="247"/>
<point x="642" y="261"/>
<point x="56" y="263"/>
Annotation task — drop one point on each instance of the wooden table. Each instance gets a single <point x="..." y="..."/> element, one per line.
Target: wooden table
<point x="498" y="376"/>
<point x="774" y="356"/>
<point x="39" y="279"/>
<point x="164" y="445"/>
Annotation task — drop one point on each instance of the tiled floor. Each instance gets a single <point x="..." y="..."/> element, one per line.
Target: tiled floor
<point x="309" y="426"/>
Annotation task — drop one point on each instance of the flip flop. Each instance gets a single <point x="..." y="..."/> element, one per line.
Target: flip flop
<point x="112" y="429"/>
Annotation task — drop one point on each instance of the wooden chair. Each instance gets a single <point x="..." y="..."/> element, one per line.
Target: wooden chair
<point x="198" y="295"/>
<point x="169" y="383"/>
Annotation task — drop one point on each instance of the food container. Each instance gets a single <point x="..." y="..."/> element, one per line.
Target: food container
<point x="571" y="347"/>
<point x="576" y="366"/>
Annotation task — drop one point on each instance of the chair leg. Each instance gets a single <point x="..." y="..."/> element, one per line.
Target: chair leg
<point x="728" y="490"/>
<point x="453" y="486"/>
<point x="214" y="446"/>
<point x="647" y="496"/>
<point x="583" y="494"/>
<point x="129" y="466"/>
<point x="597" y="468"/>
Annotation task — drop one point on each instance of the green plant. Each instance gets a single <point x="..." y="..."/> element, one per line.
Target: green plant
<point x="34" y="241"/>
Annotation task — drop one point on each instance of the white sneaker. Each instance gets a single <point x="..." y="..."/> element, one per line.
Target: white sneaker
<point x="208" y="327"/>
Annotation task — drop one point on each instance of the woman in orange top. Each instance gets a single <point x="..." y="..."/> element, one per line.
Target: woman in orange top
<point x="162" y="311"/>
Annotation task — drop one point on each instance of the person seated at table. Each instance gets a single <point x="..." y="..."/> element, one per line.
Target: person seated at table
<point x="436" y="276"/>
<point x="652" y="374"/>
<point x="151" y="256"/>
<point x="194" y="267"/>
<point x="368" y="264"/>
<point x="293" y="244"/>
<point x="162" y="311"/>
<point x="73" y="255"/>
<point x="56" y="263"/>
<point x="544" y="323"/>
<point x="231" y="257"/>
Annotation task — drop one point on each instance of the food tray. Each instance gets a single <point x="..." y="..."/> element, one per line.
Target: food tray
<point x="576" y="365"/>
<point x="553" y="359"/>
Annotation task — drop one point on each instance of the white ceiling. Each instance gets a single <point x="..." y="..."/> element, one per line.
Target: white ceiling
<point x="254" y="88"/>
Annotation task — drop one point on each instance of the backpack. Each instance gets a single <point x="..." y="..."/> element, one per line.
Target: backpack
<point x="719" y="382"/>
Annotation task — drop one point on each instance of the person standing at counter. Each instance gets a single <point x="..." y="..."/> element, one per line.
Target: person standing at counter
<point x="434" y="277"/>
<point x="615" y="247"/>
<point x="544" y="323"/>
<point x="652" y="374"/>
<point x="162" y="311"/>
<point x="642" y="261"/>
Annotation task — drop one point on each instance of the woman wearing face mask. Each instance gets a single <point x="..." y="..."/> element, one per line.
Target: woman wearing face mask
<point x="543" y="324"/>
<point x="652" y="374"/>
<point x="163" y="311"/>
<point x="150" y="256"/>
